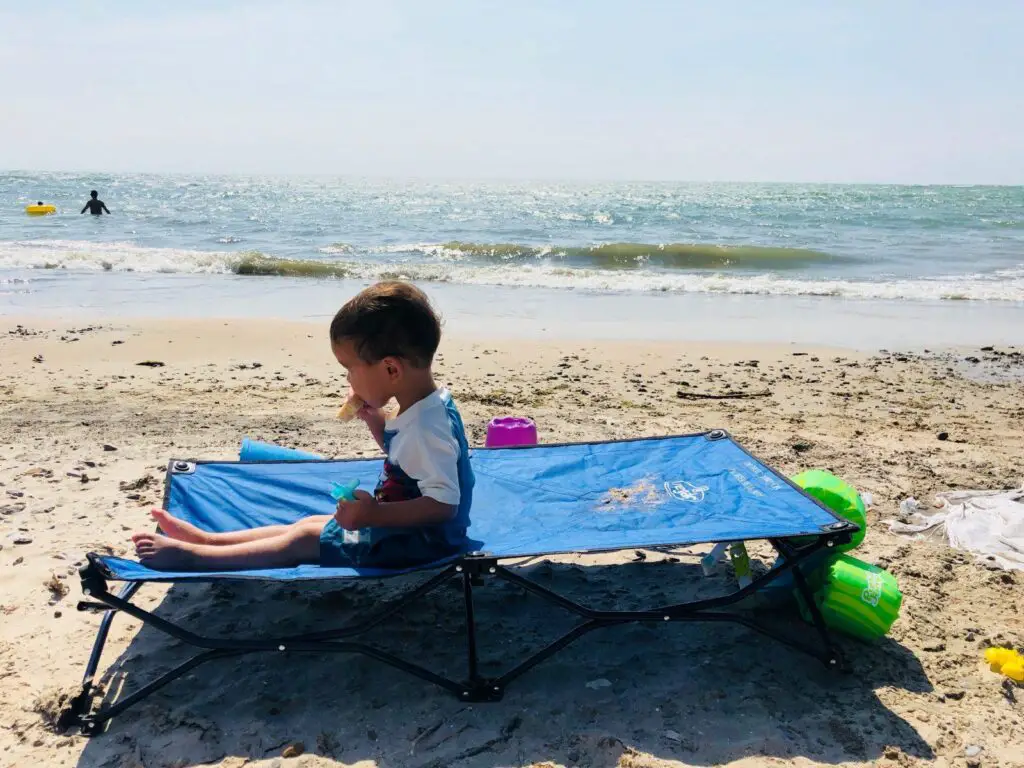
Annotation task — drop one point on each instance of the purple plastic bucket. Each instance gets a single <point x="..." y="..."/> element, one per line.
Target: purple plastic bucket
<point x="507" y="431"/>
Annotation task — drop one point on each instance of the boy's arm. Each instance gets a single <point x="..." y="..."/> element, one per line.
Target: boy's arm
<point x="374" y="420"/>
<point x="106" y="209"/>
<point x="432" y="460"/>
<point x="365" y="511"/>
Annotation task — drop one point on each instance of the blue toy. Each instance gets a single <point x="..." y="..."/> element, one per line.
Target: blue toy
<point x="344" y="491"/>
<point x="254" y="450"/>
<point x="347" y="492"/>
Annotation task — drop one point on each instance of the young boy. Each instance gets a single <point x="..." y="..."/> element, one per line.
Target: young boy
<point x="385" y="338"/>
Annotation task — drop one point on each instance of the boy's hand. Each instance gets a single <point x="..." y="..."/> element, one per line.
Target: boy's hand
<point x="373" y="418"/>
<point x="370" y="415"/>
<point x="353" y="515"/>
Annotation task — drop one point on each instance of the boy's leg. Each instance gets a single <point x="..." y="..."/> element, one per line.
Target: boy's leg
<point x="180" y="530"/>
<point x="298" y="544"/>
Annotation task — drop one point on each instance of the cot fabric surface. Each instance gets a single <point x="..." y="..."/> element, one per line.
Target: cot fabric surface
<point x="527" y="501"/>
<point x="657" y="492"/>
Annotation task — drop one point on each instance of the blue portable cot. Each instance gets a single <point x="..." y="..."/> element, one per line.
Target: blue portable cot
<point x="540" y="500"/>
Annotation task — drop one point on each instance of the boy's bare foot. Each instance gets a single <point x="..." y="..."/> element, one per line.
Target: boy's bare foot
<point x="162" y="552"/>
<point x="174" y="528"/>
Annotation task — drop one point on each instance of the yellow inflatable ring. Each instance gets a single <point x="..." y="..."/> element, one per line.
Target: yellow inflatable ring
<point x="40" y="210"/>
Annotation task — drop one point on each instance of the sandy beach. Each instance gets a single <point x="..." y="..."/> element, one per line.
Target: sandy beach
<point x="91" y="412"/>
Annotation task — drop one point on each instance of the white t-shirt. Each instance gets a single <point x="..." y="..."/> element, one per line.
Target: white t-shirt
<point x="423" y="453"/>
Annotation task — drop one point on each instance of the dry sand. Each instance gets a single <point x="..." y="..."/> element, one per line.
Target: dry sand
<point x="86" y="432"/>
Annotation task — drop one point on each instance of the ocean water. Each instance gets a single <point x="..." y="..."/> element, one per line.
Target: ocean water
<point x="197" y="245"/>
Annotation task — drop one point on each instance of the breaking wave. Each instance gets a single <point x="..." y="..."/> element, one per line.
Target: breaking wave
<point x="627" y="255"/>
<point x="678" y="269"/>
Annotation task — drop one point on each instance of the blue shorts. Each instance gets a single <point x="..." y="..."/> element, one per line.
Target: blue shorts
<point x="401" y="549"/>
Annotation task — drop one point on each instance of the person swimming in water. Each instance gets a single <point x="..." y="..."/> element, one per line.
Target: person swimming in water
<point x="95" y="206"/>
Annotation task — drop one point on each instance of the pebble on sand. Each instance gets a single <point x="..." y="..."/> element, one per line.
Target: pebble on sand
<point x="294" y="750"/>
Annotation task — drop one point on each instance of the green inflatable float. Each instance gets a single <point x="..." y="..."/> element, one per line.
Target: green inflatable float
<point x="854" y="597"/>
<point x="858" y="598"/>
<point x="840" y="497"/>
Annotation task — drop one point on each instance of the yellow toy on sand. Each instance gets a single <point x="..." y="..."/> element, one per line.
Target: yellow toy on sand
<point x="1006" y="661"/>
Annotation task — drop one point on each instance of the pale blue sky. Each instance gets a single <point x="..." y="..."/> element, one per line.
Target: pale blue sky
<point x="758" y="90"/>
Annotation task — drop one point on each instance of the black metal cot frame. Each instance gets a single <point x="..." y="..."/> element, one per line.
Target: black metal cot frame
<point x="473" y="570"/>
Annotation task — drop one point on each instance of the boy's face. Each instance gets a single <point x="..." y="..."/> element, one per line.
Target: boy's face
<point x="376" y="382"/>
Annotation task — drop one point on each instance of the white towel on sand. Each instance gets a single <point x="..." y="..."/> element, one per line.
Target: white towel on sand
<point x="989" y="524"/>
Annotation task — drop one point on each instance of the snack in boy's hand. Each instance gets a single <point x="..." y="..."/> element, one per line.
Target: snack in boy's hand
<point x="348" y="411"/>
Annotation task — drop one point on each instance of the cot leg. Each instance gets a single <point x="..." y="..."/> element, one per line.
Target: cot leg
<point x="80" y="706"/>
<point x="473" y="569"/>
<point x="832" y="656"/>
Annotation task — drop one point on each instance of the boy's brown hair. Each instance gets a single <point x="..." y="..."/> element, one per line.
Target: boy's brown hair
<point x="389" y="319"/>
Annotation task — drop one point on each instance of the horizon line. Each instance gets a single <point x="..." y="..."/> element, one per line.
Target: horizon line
<point x="500" y="179"/>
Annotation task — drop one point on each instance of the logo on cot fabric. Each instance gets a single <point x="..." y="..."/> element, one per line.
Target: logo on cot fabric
<point x="873" y="591"/>
<point x="686" y="491"/>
